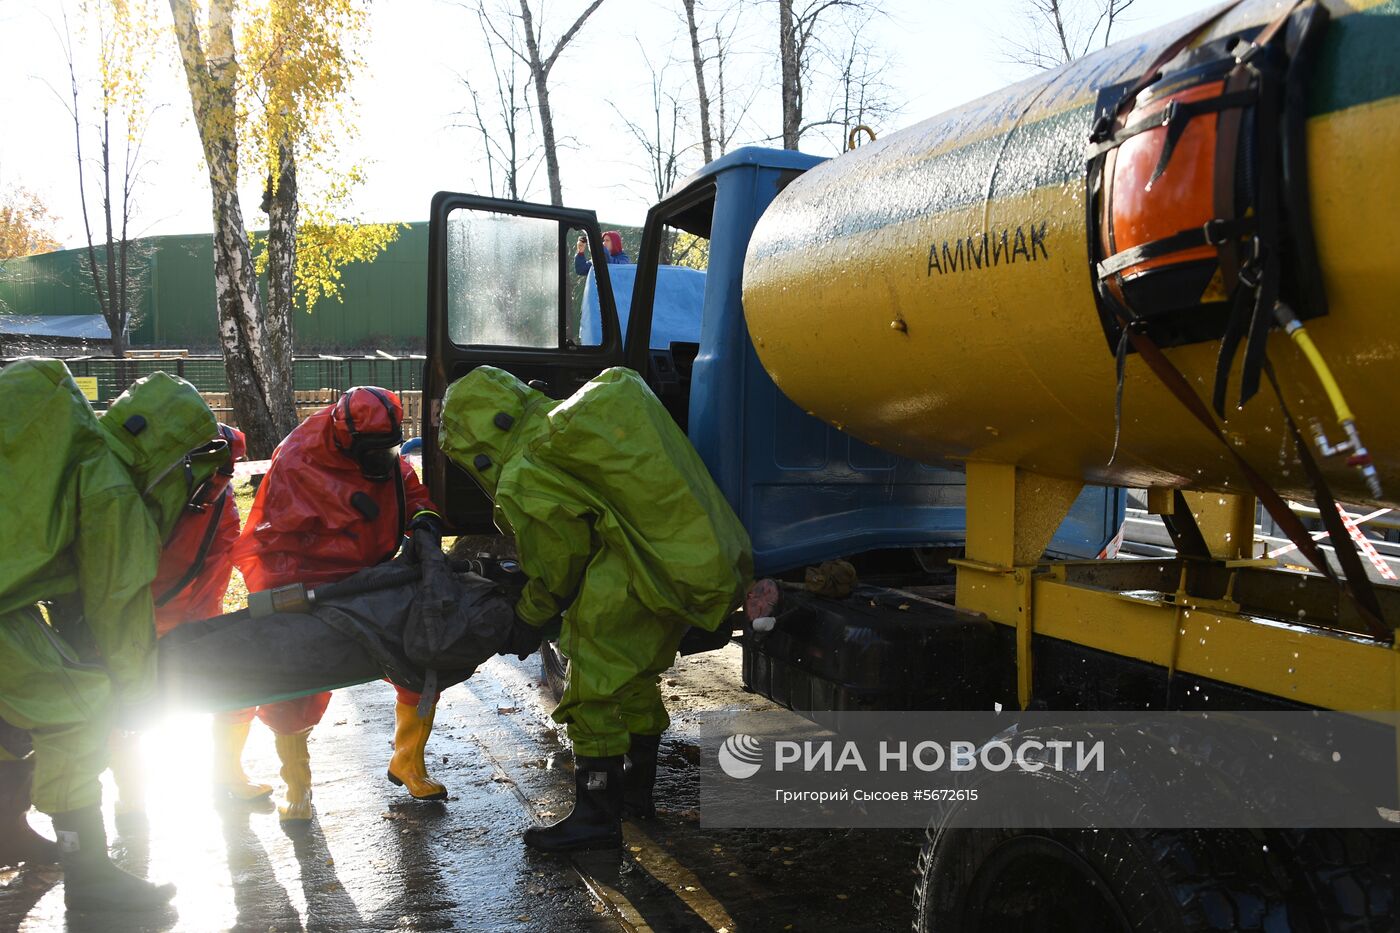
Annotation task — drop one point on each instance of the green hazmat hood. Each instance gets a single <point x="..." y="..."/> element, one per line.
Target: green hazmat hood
<point x="153" y="426"/>
<point x="480" y="416"/>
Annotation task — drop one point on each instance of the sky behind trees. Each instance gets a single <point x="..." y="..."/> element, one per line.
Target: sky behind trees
<point x="412" y="104"/>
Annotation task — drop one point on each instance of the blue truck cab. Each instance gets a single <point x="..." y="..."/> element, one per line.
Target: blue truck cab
<point x="503" y="291"/>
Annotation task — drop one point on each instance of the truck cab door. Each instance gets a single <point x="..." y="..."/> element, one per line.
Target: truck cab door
<point x="504" y="291"/>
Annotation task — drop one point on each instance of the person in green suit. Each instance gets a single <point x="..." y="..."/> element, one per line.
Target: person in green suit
<point x="85" y="503"/>
<point x="625" y="541"/>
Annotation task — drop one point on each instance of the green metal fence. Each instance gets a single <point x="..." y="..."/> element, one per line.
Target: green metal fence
<point x="400" y="374"/>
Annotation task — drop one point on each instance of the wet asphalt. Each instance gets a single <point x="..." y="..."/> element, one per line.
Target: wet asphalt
<point x="374" y="859"/>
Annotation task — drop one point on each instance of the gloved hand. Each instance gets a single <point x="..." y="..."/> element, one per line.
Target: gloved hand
<point x="424" y="532"/>
<point x="523" y="641"/>
<point x="429" y="522"/>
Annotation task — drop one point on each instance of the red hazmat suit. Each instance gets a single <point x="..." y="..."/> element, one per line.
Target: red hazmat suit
<point x="195" y="564"/>
<point x="317" y="519"/>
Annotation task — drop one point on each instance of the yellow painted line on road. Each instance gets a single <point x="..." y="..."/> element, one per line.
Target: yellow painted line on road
<point x="613" y="901"/>
<point x="641" y="848"/>
<point x="680" y="880"/>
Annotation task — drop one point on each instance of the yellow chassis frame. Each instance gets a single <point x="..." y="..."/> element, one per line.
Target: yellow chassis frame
<point x="1011" y="515"/>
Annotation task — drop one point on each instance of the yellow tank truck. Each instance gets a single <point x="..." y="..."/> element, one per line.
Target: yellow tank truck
<point x="1169" y="265"/>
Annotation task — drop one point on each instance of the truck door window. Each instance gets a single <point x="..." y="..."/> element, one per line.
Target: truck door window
<point x="503" y="280"/>
<point x="690" y="250"/>
<point x="584" y="327"/>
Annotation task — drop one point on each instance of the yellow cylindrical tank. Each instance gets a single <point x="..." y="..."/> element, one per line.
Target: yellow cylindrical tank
<point x="930" y="293"/>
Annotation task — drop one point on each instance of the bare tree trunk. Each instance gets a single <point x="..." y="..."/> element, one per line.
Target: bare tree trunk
<point x="706" y="140"/>
<point x="789" y="58"/>
<point x="719" y="74"/>
<point x="261" y="396"/>
<point x="539" y="71"/>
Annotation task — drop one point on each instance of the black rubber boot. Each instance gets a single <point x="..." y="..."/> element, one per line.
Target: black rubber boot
<point x="18" y="841"/>
<point x="91" y="881"/>
<point x="596" y="821"/>
<point x="640" y="778"/>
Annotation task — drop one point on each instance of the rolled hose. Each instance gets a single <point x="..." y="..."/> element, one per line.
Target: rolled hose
<point x="295" y="597"/>
<point x="366" y="584"/>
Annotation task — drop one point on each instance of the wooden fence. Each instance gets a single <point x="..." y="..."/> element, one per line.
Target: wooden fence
<point x="313" y="400"/>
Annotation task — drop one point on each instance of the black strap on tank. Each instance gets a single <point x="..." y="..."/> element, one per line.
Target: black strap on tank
<point x="1342" y="544"/>
<point x="1367" y="605"/>
<point x="1212" y="233"/>
<point x="1103" y="129"/>
<point x="1176" y="116"/>
<point x="200" y="556"/>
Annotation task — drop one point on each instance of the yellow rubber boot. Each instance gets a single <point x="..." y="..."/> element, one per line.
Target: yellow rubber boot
<point x="296" y="772"/>
<point x="229" y="776"/>
<point x="407" y="768"/>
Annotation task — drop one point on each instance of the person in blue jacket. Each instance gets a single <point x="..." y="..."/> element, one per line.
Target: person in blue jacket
<point x="612" y="243"/>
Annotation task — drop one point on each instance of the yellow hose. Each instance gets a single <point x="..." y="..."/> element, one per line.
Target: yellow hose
<point x="1324" y="373"/>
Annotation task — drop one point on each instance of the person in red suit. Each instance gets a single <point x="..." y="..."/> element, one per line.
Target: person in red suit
<point x="196" y="563"/>
<point x="337" y="498"/>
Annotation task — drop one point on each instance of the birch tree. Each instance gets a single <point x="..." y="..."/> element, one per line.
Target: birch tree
<point x="303" y="55"/>
<point x="281" y="90"/>
<point x="259" y="389"/>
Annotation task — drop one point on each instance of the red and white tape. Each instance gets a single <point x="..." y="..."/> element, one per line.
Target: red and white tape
<point x="1353" y="523"/>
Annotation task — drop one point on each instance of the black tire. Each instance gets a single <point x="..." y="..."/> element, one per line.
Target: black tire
<point x="1347" y="880"/>
<point x="1037" y="878"/>
<point x="555" y="668"/>
<point x="1107" y="881"/>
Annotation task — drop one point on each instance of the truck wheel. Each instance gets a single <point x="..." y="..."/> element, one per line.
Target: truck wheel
<point x="1348" y="880"/>
<point x="555" y="668"/>
<point x="1115" y="881"/>
<point x="1027" y="875"/>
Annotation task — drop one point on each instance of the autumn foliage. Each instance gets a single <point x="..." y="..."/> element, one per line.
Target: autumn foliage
<point x="25" y="225"/>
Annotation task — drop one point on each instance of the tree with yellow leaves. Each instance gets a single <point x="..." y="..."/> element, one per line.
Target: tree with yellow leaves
<point x="271" y="78"/>
<point x="109" y="59"/>
<point x="25" y="225"/>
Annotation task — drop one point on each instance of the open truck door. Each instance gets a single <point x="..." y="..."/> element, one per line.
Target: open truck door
<point x="503" y="291"/>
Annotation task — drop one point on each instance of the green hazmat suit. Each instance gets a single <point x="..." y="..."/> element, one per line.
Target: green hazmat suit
<point x="619" y="528"/>
<point x="84" y="506"/>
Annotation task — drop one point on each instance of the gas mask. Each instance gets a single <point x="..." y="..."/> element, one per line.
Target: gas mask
<point x="377" y="455"/>
<point x="181" y="485"/>
<point x="207" y="492"/>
